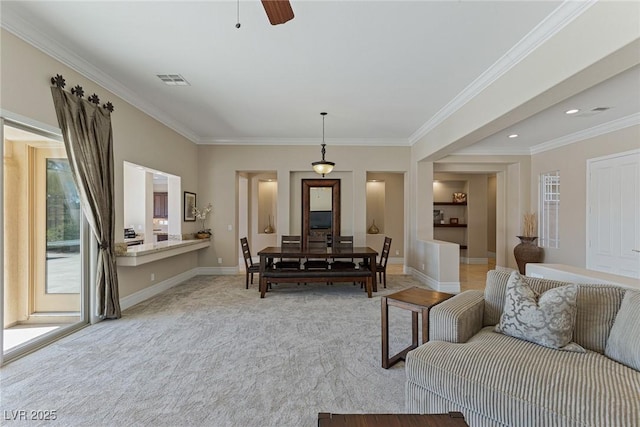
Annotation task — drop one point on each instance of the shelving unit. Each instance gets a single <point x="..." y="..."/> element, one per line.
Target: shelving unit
<point x="449" y="204"/>
<point x="459" y="213"/>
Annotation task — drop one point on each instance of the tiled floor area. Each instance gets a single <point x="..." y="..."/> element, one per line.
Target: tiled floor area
<point x="472" y="276"/>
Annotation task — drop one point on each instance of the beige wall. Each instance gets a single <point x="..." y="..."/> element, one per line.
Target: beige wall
<point x="571" y="161"/>
<point x="16" y="232"/>
<point x="217" y="167"/>
<point x="580" y="55"/>
<point x="574" y="59"/>
<point x="137" y="137"/>
<point x="491" y="212"/>
<point x="393" y="215"/>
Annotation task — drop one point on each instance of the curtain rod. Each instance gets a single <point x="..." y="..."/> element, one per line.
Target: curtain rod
<point x="59" y="81"/>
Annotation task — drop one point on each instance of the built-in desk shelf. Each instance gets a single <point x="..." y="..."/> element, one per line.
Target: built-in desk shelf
<point x="150" y="252"/>
<point x="451" y="225"/>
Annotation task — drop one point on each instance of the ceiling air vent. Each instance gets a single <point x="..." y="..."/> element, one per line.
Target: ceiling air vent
<point x="173" y="79"/>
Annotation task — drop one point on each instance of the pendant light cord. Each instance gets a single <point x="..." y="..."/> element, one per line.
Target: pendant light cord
<point x="238" y="14"/>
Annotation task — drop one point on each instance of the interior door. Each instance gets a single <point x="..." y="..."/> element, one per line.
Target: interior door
<point x="613" y="219"/>
<point x="56" y="242"/>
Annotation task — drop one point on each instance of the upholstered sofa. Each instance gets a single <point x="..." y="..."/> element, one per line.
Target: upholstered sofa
<point x="498" y="380"/>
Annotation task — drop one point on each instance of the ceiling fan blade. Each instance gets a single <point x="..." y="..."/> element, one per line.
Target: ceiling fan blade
<point x="278" y="11"/>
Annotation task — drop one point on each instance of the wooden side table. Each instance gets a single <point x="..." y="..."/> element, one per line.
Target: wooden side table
<point x="452" y="419"/>
<point x="417" y="300"/>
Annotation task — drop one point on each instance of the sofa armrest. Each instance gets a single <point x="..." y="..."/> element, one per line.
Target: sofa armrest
<point x="458" y="318"/>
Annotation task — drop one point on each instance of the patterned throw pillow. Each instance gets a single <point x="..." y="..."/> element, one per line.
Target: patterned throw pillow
<point x="546" y="319"/>
<point x="624" y="340"/>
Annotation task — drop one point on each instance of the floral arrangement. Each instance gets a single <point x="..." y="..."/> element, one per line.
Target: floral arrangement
<point x="530" y="225"/>
<point x="202" y="215"/>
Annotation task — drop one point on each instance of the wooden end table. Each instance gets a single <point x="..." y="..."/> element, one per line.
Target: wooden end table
<point x="452" y="419"/>
<point x="417" y="300"/>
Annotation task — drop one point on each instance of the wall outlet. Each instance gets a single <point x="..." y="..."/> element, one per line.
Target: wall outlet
<point x="397" y="252"/>
<point x="423" y="265"/>
<point x="230" y="227"/>
<point x="153" y="277"/>
<point x="219" y="260"/>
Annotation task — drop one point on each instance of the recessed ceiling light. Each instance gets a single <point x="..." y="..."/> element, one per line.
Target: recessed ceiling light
<point x="173" y="79"/>
<point x="572" y="111"/>
<point x="513" y="135"/>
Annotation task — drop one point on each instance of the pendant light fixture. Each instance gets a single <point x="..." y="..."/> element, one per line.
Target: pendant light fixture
<point x="323" y="166"/>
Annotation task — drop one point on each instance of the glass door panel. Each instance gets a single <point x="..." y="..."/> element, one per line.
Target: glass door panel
<point x="43" y="239"/>
<point x="58" y="264"/>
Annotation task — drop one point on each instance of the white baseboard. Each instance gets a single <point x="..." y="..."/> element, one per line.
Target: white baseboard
<point x="151" y="291"/>
<point x="449" y="287"/>
<point x="395" y="260"/>
<point x="217" y="271"/>
<point x="465" y="260"/>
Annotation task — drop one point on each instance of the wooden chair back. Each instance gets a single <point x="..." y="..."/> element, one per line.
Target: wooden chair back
<point x="246" y="252"/>
<point x="386" y="248"/>
<point x="344" y="242"/>
<point x="291" y="242"/>
<point x="316" y="242"/>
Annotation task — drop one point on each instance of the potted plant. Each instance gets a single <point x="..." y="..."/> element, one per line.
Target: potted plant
<point x="202" y="215"/>
<point x="527" y="250"/>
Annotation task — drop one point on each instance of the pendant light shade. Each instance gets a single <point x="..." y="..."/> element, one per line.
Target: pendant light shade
<point x="323" y="166"/>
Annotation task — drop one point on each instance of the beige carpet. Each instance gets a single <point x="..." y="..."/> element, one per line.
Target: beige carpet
<point x="210" y="353"/>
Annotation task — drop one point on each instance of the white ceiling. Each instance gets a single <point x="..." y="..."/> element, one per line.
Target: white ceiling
<point x="381" y="69"/>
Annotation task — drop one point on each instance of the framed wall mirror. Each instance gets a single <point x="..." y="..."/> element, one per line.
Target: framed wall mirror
<point x="320" y="208"/>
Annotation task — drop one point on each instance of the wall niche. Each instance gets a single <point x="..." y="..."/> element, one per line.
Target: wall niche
<point x="267" y="199"/>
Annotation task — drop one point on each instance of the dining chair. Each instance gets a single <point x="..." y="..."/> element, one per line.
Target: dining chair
<point x="293" y="243"/>
<point x="250" y="267"/>
<point x="381" y="266"/>
<point x="345" y="242"/>
<point x="316" y="243"/>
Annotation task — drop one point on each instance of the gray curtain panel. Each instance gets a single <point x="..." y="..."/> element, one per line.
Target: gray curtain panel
<point x="86" y="129"/>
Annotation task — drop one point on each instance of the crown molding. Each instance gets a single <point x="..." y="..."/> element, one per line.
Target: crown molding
<point x="612" y="126"/>
<point x="553" y="23"/>
<point x="592" y="132"/>
<point x="546" y="29"/>
<point x="23" y="29"/>
<point x="368" y="142"/>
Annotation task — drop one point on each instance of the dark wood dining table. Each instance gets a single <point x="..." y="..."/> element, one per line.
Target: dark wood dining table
<point x="366" y="253"/>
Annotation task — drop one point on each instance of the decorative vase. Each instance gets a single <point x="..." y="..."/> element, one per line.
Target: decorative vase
<point x="373" y="229"/>
<point x="268" y="229"/>
<point x="202" y="235"/>
<point x="527" y="251"/>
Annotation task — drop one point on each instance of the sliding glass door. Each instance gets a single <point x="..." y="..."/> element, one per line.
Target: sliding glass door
<point x="44" y="249"/>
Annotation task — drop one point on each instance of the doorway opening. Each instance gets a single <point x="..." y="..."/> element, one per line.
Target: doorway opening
<point x="465" y="212"/>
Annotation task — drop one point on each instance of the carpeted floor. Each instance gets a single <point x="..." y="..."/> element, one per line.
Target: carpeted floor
<point x="210" y="353"/>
